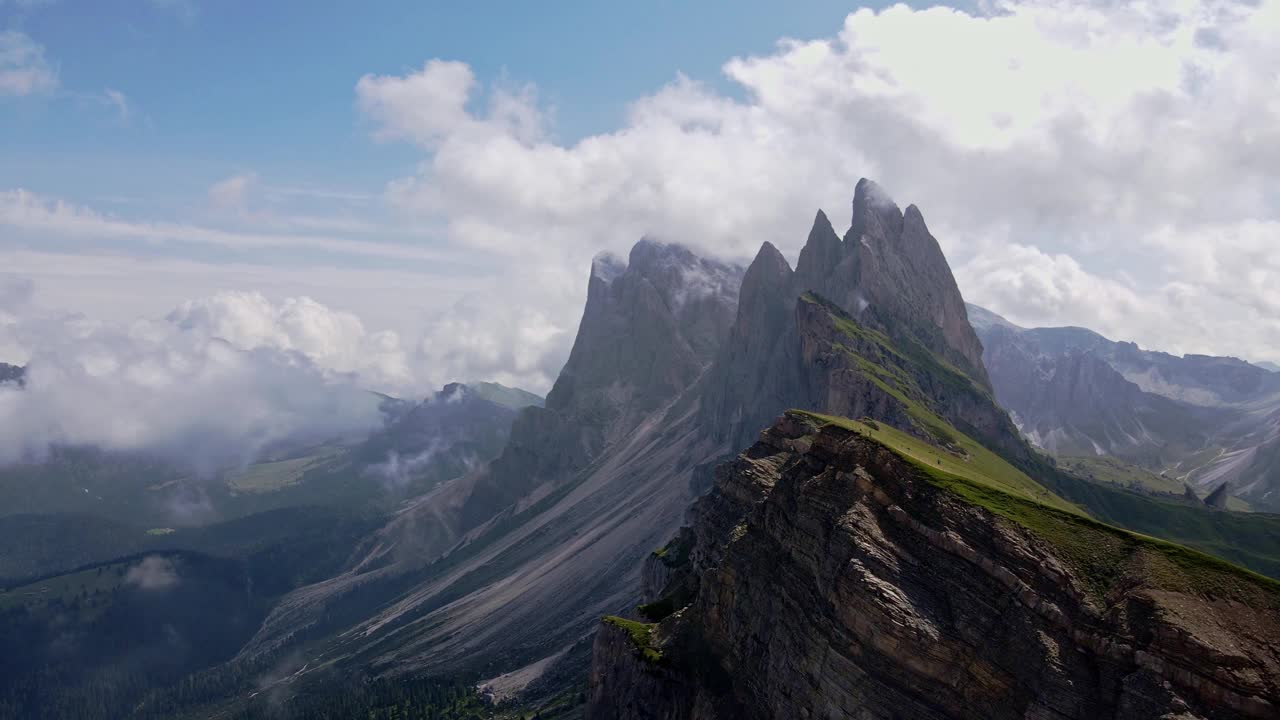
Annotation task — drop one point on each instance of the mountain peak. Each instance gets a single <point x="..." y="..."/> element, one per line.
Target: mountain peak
<point x="869" y="191"/>
<point x="875" y="214"/>
<point x="607" y="266"/>
<point x="770" y="256"/>
<point x="984" y="320"/>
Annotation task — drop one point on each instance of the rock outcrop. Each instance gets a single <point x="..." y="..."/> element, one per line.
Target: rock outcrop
<point x="650" y="327"/>
<point x="888" y="272"/>
<point x="832" y="579"/>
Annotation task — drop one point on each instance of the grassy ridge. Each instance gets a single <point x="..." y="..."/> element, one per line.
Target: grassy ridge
<point x="906" y="370"/>
<point x="974" y="463"/>
<point x="1101" y="554"/>
<point x="641" y="635"/>
<point x="1118" y="472"/>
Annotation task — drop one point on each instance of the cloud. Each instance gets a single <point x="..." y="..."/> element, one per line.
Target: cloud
<point x="397" y="471"/>
<point x="25" y="210"/>
<point x="333" y="340"/>
<point x="152" y="573"/>
<point x="520" y="345"/>
<point x="178" y="388"/>
<point x="15" y="292"/>
<point x="1107" y="144"/>
<point x="120" y="103"/>
<point x="23" y="68"/>
<point x="233" y="192"/>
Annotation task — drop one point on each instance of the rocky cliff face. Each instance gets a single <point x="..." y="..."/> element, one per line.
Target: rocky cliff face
<point x="887" y="272"/>
<point x="513" y="564"/>
<point x="831" y="578"/>
<point x="650" y="328"/>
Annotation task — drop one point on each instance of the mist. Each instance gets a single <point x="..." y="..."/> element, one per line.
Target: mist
<point x="177" y="389"/>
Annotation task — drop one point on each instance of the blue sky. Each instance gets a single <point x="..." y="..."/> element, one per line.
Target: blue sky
<point x="434" y="178"/>
<point x="217" y="88"/>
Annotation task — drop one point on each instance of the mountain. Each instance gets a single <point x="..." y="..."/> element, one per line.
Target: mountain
<point x="887" y="271"/>
<point x="12" y="374"/>
<point x="925" y="561"/>
<point x="1269" y="366"/>
<point x="420" y="445"/>
<point x="1195" y="419"/>
<point x="96" y="641"/>
<point x="844" y="569"/>
<point x="499" y="573"/>
<point x="512" y="565"/>
<point x="442" y="437"/>
<point x="679" y="361"/>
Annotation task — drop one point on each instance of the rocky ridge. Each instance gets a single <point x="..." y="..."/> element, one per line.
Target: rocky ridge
<point x="832" y="578"/>
<point x="888" y="272"/>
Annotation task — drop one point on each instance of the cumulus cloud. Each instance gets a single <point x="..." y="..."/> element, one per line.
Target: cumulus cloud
<point x="484" y="337"/>
<point x="210" y="386"/>
<point x="23" y="68"/>
<point x="1106" y="144"/>
<point x="332" y="339"/>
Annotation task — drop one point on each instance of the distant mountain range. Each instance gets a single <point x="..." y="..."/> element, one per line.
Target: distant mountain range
<point x="1196" y="419"/>
<point x="422" y="443"/>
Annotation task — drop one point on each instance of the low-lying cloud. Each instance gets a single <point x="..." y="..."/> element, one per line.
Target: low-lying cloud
<point x="210" y="386"/>
<point x="152" y="573"/>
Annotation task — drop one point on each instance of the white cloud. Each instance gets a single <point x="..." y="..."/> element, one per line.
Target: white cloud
<point x="210" y="386"/>
<point x="332" y="339"/>
<point x="520" y="345"/>
<point x="15" y="292"/>
<point x="233" y="192"/>
<point x="23" y="68"/>
<point x="119" y="102"/>
<point x="25" y="210"/>
<point x="1101" y="144"/>
<point x="152" y="573"/>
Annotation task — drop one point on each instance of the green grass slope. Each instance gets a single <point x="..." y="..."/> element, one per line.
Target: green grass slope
<point x="1103" y="555"/>
<point x="1001" y="461"/>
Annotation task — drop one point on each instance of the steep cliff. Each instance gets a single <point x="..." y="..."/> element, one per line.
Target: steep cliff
<point x="650" y="327"/>
<point x="888" y="273"/>
<point x="511" y="566"/>
<point x="837" y="570"/>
